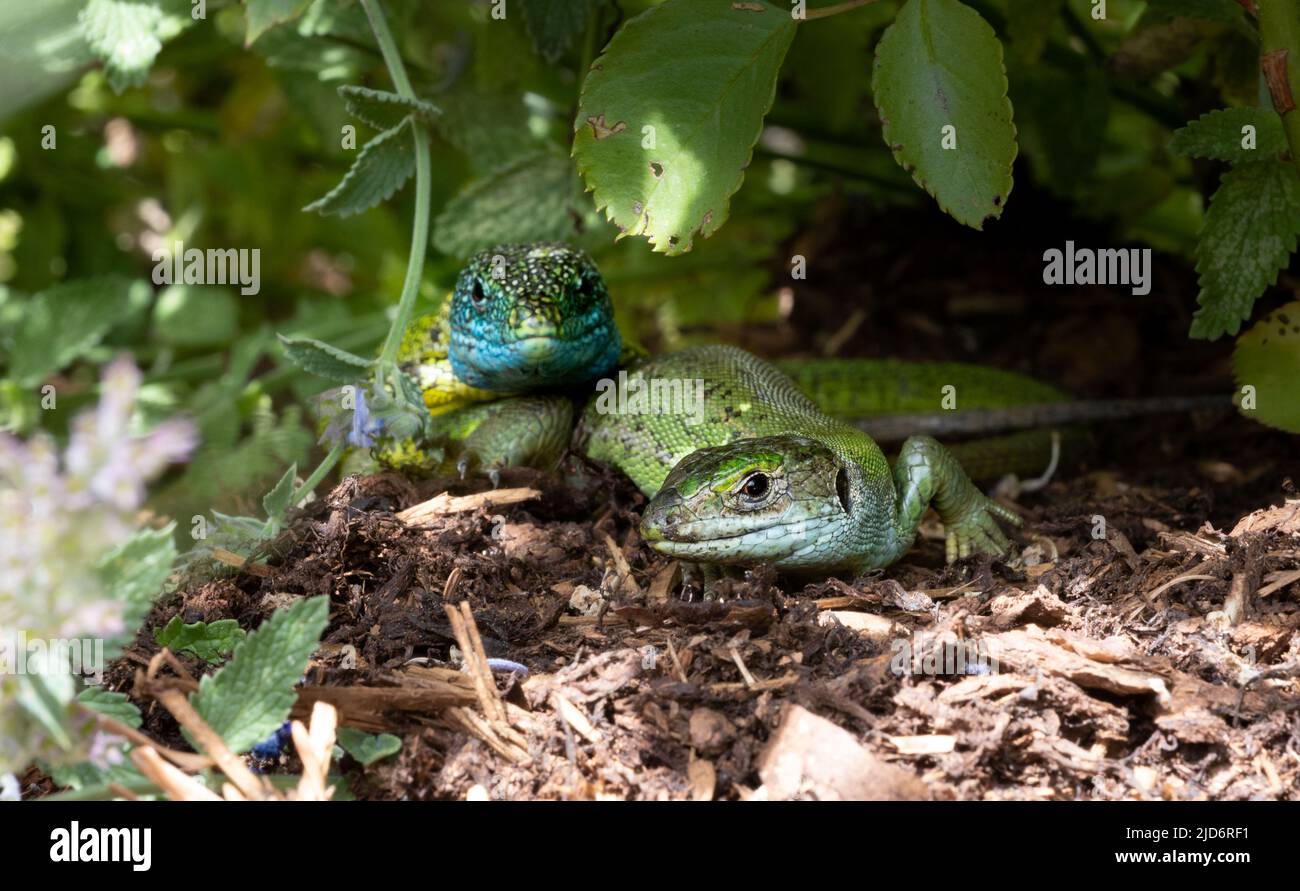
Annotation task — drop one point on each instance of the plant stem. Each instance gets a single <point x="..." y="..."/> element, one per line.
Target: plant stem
<point x="1279" y="40"/>
<point x="319" y="473"/>
<point x="420" y="235"/>
<point x="828" y="11"/>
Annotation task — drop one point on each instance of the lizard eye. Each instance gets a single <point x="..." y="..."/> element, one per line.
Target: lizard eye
<point x="477" y="295"/>
<point x="756" y="485"/>
<point x="587" y="286"/>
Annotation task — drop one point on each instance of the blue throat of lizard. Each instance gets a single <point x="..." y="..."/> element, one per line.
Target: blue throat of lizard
<point x="531" y="315"/>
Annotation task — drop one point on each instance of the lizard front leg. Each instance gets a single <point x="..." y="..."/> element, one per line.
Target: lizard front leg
<point x="925" y="474"/>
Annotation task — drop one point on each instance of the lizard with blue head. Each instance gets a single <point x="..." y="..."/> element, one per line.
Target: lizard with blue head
<point x="522" y="319"/>
<point x="529" y="316"/>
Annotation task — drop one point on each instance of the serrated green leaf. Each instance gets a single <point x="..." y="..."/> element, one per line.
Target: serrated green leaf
<point x="383" y="166"/>
<point x="276" y="502"/>
<point x="939" y="65"/>
<point x="1250" y="233"/>
<point x="701" y="76"/>
<point x="264" y="14"/>
<point x="127" y="35"/>
<point x="62" y="323"/>
<point x="135" y="572"/>
<point x="553" y="24"/>
<point x="367" y="748"/>
<point x="324" y="360"/>
<point x="210" y="641"/>
<point x="1267" y="358"/>
<point x="383" y="110"/>
<point x="535" y="198"/>
<point x="1219" y="135"/>
<point x="117" y="706"/>
<point x="251" y="695"/>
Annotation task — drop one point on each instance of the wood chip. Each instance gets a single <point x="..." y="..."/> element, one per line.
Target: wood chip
<point x="446" y="503"/>
<point x="810" y="757"/>
<point x="924" y="744"/>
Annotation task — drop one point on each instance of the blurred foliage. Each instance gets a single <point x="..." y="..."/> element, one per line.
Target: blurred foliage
<point x="131" y="125"/>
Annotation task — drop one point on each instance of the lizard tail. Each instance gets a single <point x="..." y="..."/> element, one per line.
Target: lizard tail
<point x="894" y="427"/>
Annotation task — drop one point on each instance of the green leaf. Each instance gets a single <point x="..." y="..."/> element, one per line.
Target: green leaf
<point x="1250" y="233"/>
<point x="490" y="129"/>
<point x="535" y="198"/>
<point x="86" y="775"/>
<point x="264" y="14"/>
<point x="383" y="166"/>
<point x="117" y="706"/>
<point x="383" y="110"/>
<point x="127" y="35"/>
<point x="62" y="323"/>
<point x="251" y="695"/>
<point x="209" y="641"/>
<point x="135" y="572"/>
<point x="1267" y="358"/>
<point x="368" y="749"/>
<point x="195" y="315"/>
<point x="939" y="65"/>
<point x="276" y="502"/>
<point x="1218" y="134"/>
<point x="324" y="360"/>
<point x="553" y="24"/>
<point x="701" y="77"/>
<point x="45" y="698"/>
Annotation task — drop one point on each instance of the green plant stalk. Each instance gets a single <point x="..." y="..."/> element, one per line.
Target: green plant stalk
<point x="419" y="238"/>
<point x="319" y="473"/>
<point x="420" y="235"/>
<point x="1279" y="30"/>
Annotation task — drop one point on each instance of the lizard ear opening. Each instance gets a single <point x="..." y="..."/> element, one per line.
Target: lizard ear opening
<point x="842" y="489"/>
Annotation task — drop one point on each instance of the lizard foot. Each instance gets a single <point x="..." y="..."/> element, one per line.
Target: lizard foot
<point x="977" y="531"/>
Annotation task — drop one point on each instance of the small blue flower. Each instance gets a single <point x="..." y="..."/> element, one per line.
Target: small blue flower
<point x="273" y="745"/>
<point x="364" y="427"/>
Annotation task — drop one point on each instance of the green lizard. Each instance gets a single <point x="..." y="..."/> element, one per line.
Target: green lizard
<point x="535" y="319"/>
<point x="537" y="290"/>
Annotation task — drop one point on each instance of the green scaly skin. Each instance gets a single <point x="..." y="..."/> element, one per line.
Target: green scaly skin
<point x="832" y="502"/>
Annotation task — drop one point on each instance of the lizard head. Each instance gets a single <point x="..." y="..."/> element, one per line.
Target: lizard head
<point x="777" y="499"/>
<point x="530" y="315"/>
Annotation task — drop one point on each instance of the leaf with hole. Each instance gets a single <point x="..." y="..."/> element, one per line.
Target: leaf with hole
<point x="1267" y="359"/>
<point x="671" y="110"/>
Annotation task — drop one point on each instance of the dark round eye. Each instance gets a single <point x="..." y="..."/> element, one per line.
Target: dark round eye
<point x="756" y="486"/>
<point x="476" y="293"/>
<point x="587" y="286"/>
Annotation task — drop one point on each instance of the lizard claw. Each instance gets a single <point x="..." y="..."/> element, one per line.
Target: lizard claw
<point x="978" y="532"/>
